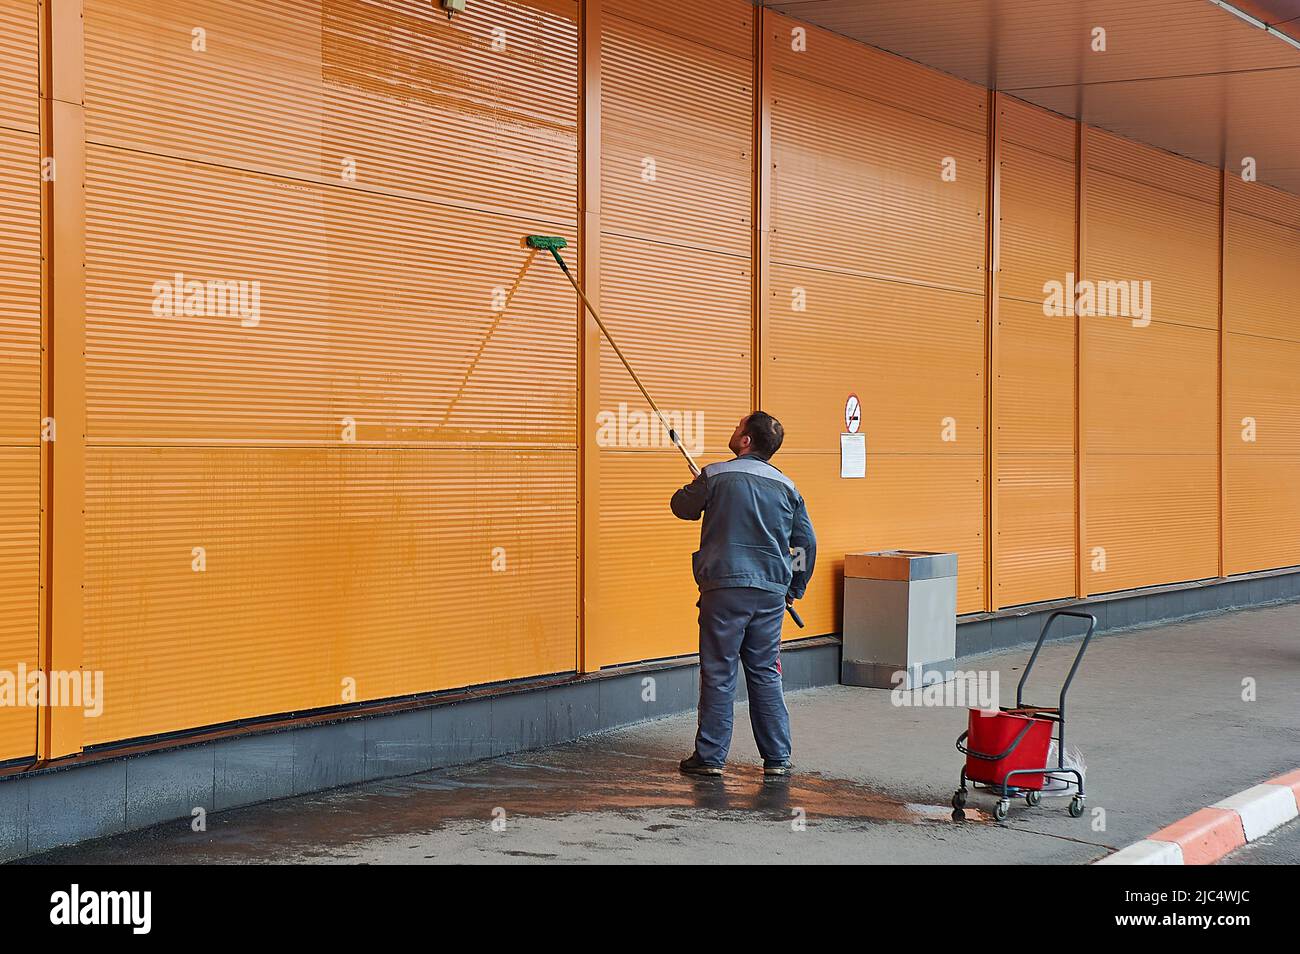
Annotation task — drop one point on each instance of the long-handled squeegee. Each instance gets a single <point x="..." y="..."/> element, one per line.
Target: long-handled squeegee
<point x="553" y="244"/>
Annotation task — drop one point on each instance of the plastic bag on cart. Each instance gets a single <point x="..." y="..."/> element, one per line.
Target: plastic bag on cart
<point x="1058" y="783"/>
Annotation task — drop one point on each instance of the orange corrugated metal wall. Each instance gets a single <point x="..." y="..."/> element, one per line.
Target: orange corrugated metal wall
<point x="1261" y="378"/>
<point x="1149" y="411"/>
<point x="877" y="288"/>
<point x="379" y="461"/>
<point x="676" y="137"/>
<point x="1033" y="359"/>
<point x="377" y="468"/>
<point x="20" y="368"/>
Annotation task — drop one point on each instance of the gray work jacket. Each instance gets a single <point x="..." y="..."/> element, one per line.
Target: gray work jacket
<point x="753" y="518"/>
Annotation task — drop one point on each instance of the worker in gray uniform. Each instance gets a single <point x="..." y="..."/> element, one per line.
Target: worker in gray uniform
<point x="756" y="556"/>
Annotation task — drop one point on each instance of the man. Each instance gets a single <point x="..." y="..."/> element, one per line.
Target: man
<point x="753" y="518"/>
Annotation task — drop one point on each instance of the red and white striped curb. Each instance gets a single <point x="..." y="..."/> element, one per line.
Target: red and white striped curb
<point x="1203" y="837"/>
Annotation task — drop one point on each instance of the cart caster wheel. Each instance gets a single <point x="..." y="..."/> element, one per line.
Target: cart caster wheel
<point x="1076" y="807"/>
<point x="958" y="815"/>
<point x="1003" y="808"/>
<point x="959" y="798"/>
<point x="1033" y="798"/>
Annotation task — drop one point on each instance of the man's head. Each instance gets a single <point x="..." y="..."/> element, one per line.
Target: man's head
<point x="759" y="434"/>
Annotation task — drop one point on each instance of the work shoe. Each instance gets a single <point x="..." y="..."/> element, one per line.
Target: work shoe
<point x="774" y="768"/>
<point x="695" y="766"/>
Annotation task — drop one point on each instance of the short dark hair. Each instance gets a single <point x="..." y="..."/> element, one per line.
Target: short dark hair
<point x="765" y="433"/>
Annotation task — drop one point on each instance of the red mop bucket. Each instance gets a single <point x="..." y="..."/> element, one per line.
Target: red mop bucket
<point x="1001" y="742"/>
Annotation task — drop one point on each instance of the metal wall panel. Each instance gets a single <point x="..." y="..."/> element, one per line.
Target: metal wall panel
<point x="20" y="289"/>
<point x="384" y="95"/>
<point x="355" y="319"/>
<point x="20" y="366"/>
<point x="380" y="464"/>
<point x="1150" y="392"/>
<point x="833" y="61"/>
<point x="723" y="25"/>
<point x="861" y="336"/>
<point x="395" y="432"/>
<point x="676" y="137"/>
<point x="20" y="502"/>
<point x="1032" y="447"/>
<point x="19" y="108"/>
<point x="327" y="570"/>
<point x="675" y="289"/>
<point x="910" y="501"/>
<point x="1261" y="378"/>
<point x="888" y="213"/>
<point x="886" y="260"/>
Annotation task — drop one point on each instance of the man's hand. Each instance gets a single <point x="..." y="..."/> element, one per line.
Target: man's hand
<point x="789" y="600"/>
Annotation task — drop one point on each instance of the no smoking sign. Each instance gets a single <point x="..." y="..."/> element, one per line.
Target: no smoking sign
<point x="852" y="414"/>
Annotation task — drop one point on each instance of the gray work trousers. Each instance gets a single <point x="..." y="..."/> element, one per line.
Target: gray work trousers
<point x="741" y="624"/>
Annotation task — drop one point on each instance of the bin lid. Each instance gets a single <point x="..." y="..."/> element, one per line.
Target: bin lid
<point x="900" y="565"/>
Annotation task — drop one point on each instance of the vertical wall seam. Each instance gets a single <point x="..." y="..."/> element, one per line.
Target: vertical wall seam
<point x="992" y="238"/>
<point x="65" y="599"/>
<point x="1080" y="356"/>
<point x="1223" y="345"/>
<point x="588" y="265"/>
<point x="762" y="200"/>
<point x="44" y="537"/>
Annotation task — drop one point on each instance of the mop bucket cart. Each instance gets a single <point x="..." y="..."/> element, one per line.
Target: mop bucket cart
<point x="1007" y="750"/>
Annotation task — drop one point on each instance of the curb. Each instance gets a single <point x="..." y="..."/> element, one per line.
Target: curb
<point x="1203" y="837"/>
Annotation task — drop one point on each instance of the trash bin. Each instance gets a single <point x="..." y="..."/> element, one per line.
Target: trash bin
<point x="900" y="614"/>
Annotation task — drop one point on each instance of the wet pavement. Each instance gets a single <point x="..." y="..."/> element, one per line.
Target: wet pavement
<point x="586" y="778"/>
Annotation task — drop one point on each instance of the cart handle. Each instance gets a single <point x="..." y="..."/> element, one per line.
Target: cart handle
<point x="1033" y="657"/>
<point x="1065" y="687"/>
<point x="1029" y="724"/>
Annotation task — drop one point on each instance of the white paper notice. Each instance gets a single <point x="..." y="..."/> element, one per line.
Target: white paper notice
<point x="853" y="455"/>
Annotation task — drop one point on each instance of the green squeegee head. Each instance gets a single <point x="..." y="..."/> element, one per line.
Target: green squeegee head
<point x="549" y="243"/>
<point x="546" y="242"/>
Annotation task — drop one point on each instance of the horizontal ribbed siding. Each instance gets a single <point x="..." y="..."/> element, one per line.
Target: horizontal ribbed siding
<point x="380" y="457"/>
<point x="20" y="289"/>
<point x="1033" y="495"/>
<point x="858" y="187"/>
<point x="387" y="90"/>
<point x="20" y="501"/>
<point x="675" y="290"/>
<point x="374" y="565"/>
<point x="397" y="330"/>
<point x="18" y="65"/>
<point x="908" y="501"/>
<point x="1150" y="393"/>
<point x="1261" y="379"/>
<point x="20" y="363"/>
<point x="686" y="109"/>
<point x="877" y="282"/>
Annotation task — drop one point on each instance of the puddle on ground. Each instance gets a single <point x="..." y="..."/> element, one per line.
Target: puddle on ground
<point x="582" y="778"/>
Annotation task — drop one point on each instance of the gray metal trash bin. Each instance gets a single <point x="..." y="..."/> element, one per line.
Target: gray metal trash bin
<point x="900" y="613"/>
